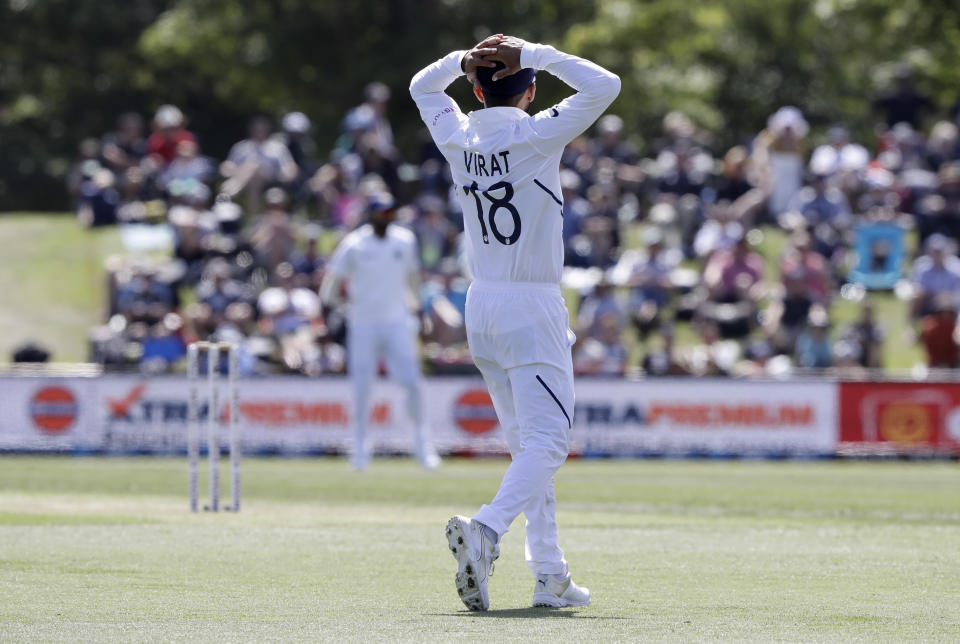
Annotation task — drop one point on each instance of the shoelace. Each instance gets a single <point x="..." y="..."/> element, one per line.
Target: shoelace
<point x="490" y="573"/>
<point x="483" y="539"/>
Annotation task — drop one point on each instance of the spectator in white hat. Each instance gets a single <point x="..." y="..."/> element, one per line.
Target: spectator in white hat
<point x="168" y="133"/>
<point x="781" y="149"/>
<point x="296" y="135"/>
<point x="377" y="97"/>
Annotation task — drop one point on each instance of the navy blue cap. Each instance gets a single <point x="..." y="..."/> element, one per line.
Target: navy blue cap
<point x="381" y="203"/>
<point x="509" y="86"/>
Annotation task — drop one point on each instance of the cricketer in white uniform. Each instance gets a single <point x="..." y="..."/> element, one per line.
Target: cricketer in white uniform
<point x="505" y="165"/>
<point x="380" y="263"/>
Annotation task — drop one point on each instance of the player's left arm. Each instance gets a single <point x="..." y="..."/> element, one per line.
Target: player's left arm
<point x="596" y="88"/>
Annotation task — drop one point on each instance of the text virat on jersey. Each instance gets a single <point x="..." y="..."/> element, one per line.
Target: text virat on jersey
<point x="476" y="163"/>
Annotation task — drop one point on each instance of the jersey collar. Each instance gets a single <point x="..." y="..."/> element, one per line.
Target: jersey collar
<point x="490" y="117"/>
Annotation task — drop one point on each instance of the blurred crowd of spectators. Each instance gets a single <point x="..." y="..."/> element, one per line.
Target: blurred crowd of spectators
<point x="681" y="259"/>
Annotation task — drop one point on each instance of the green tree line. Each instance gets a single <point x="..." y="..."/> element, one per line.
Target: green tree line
<point x="68" y="68"/>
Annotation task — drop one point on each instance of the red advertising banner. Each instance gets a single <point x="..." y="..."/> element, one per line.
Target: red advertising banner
<point x="900" y="417"/>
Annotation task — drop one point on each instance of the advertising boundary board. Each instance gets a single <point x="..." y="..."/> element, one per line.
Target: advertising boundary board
<point x="890" y="418"/>
<point x="291" y="415"/>
<point x="705" y="418"/>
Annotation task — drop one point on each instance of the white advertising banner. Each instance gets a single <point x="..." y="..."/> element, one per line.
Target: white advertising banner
<point x="48" y="414"/>
<point x="290" y="415"/>
<point x="708" y="417"/>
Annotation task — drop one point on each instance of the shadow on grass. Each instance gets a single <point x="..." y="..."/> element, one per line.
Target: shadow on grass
<point x="525" y="613"/>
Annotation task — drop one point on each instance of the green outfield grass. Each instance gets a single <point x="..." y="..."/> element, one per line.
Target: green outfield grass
<point x="105" y="550"/>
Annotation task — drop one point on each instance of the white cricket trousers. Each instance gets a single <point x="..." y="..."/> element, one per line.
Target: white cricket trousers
<point x="520" y="339"/>
<point x="393" y="341"/>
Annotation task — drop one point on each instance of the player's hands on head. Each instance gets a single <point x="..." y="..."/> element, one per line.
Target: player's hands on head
<point x="508" y="53"/>
<point x="477" y="57"/>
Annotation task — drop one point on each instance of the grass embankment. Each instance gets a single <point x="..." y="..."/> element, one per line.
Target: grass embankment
<point x="53" y="282"/>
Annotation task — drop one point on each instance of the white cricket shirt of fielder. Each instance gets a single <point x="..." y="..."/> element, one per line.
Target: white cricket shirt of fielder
<point x="506" y="163"/>
<point x="378" y="273"/>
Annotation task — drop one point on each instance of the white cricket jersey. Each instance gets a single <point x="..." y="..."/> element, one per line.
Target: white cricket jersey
<point x="378" y="272"/>
<point x="506" y="163"/>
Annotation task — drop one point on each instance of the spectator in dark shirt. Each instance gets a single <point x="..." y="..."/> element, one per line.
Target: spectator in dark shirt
<point x="99" y="199"/>
<point x="662" y="360"/>
<point x="83" y="168"/>
<point x="650" y="283"/>
<point x="145" y="298"/>
<point x="939" y="211"/>
<point x="601" y="226"/>
<point x="575" y="207"/>
<point x="819" y="202"/>
<point x="786" y="316"/>
<point x="219" y="290"/>
<point x="126" y="147"/>
<point x="377" y="97"/>
<point x="163" y="345"/>
<point x="296" y="128"/>
<point x="943" y="146"/>
<point x="374" y="161"/>
<point x="296" y="136"/>
<point x="678" y="128"/>
<point x="866" y="336"/>
<point x="904" y="104"/>
<point x="309" y="266"/>
<point x="733" y="182"/>
<point x="682" y="173"/>
<point x="609" y="142"/>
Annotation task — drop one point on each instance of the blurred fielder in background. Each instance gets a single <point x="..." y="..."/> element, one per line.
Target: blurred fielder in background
<point x="505" y="165"/>
<point x="380" y="264"/>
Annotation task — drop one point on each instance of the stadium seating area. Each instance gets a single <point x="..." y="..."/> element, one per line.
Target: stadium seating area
<point x="660" y="242"/>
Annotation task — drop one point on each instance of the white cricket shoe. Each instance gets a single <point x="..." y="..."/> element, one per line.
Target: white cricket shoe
<point x="554" y="593"/>
<point x="475" y="554"/>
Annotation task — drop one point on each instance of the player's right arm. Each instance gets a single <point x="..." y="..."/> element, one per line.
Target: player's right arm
<point x="336" y="269"/>
<point x="440" y="112"/>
